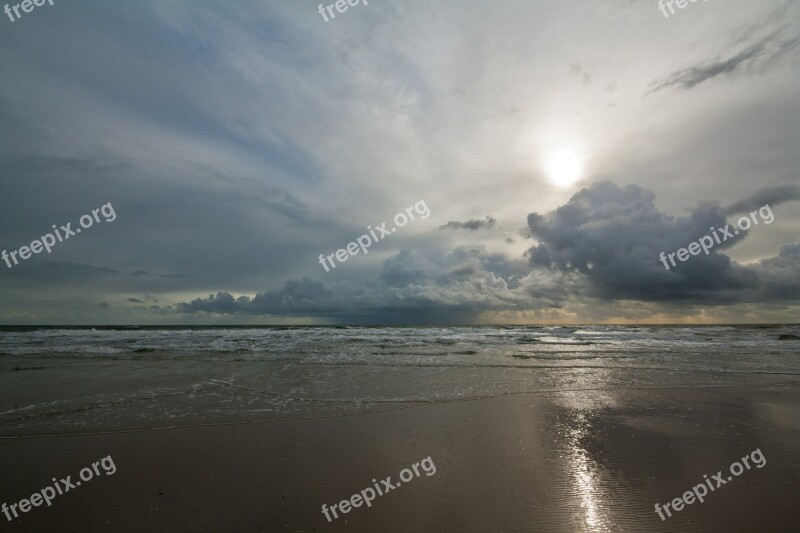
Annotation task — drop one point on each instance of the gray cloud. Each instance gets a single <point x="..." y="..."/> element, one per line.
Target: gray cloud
<point x="614" y="236"/>
<point x="60" y="268"/>
<point x="779" y="275"/>
<point x="603" y="244"/>
<point x="771" y="196"/>
<point x="754" y="58"/>
<point x="410" y="289"/>
<point x="471" y="225"/>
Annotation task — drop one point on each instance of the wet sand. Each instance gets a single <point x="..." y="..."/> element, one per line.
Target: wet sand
<point x="568" y="461"/>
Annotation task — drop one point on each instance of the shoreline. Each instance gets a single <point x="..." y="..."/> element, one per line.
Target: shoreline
<point x="584" y="460"/>
<point x="420" y="405"/>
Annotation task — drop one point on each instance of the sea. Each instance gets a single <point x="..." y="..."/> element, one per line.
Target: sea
<point x="88" y="380"/>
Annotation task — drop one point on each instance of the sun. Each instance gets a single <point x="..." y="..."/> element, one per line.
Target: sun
<point x="563" y="168"/>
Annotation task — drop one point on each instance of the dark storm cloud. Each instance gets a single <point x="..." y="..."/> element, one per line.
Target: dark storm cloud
<point x="604" y="243"/>
<point x="471" y="225"/>
<point x="779" y="275"/>
<point x="222" y="302"/>
<point x="456" y="289"/>
<point x="753" y="58"/>
<point x="406" y="268"/>
<point x="614" y="236"/>
<point x="296" y="297"/>
<point x="770" y="196"/>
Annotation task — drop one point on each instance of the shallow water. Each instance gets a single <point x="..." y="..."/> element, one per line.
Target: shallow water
<point x="83" y="380"/>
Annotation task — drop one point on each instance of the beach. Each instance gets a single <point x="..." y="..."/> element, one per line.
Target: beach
<point x="404" y="267"/>
<point x="594" y="460"/>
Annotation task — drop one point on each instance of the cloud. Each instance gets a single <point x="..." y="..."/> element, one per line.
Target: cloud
<point x="471" y="225"/>
<point x="145" y="273"/>
<point x="75" y="269"/>
<point x="779" y="275"/>
<point x="456" y="288"/>
<point x="771" y="196"/>
<point x="602" y="245"/>
<point x="754" y="58"/>
<point x="614" y="236"/>
<point x="65" y="165"/>
<point x="222" y="302"/>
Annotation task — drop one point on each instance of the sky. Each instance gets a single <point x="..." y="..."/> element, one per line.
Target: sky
<point x="557" y="147"/>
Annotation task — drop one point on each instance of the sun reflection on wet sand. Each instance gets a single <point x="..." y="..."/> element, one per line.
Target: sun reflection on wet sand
<point x="586" y="488"/>
<point x="586" y="475"/>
